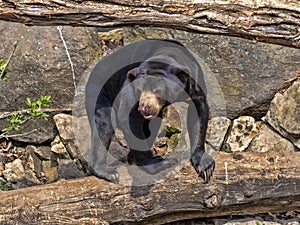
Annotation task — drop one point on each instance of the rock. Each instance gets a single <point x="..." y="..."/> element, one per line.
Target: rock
<point x="4" y="185"/>
<point x="2" y="167"/>
<point x="284" y="114"/>
<point x="116" y="34"/>
<point x="161" y="146"/>
<point x="65" y="129"/>
<point x="50" y="170"/>
<point x="268" y="140"/>
<point x="44" y="152"/>
<point x="17" y="153"/>
<point x="16" y="173"/>
<point x="34" y="163"/>
<point x="117" y="152"/>
<point x="243" y="130"/>
<point x="3" y="158"/>
<point x="241" y="74"/>
<point x="110" y="40"/>
<point x="63" y="123"/>
<point x="75" y="140"/>
<point x="40" y="66"/>
<point x="67" y="169"/>
<point x="59" y="148"/>
<point x="7" y="157"/>
<point x="216" y="131"/>
<point x="37" y="130"/>
<point x="252" y="222"/>
<point x="29" y="180"/>
<point x="172" y="135"/>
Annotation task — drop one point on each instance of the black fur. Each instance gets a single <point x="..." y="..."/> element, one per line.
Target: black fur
<point x="156" y="63"/>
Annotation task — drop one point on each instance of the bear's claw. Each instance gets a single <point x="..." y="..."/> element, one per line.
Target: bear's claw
<point x="204" y="165"/>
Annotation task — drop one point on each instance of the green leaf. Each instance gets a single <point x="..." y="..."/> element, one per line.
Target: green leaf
<point x="2" y="66"/>
<point x="4" y="78"/>
<point x="45" y="100"/>
<point x="7" y="129"/>
<point x="45" y="116"/>
<point x="226" y="148"/>
<point x="16" y="127"/>
<point x="39" y="102"/>
<point x="28" y="102"/>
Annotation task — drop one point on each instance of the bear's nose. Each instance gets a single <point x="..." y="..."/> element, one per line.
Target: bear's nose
<point x="143" y="108"/>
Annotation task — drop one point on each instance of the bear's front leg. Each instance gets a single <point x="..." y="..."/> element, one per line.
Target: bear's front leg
<point x="203" y="163"/>
<point x="101" y="139"/>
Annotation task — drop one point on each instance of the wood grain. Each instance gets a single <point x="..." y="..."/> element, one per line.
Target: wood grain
<point x="256" y="183"/>
<point x="268" y="21"/>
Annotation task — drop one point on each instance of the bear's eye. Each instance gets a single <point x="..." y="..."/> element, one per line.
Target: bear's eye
<point x="157" y="91"/>
<point x="131" y="77"/>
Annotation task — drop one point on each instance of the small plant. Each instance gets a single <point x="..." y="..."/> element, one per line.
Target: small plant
<point x="34" y="110"/>
<point x="5" y="186"/>
<point x="13" y="123"/>
<point x="172" y="130"/>
<point x="3" y="70"/>
<point x="226" y="148"/>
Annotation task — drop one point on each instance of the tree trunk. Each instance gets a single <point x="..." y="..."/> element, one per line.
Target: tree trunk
<point x="269" y="21"/>
<point x="254" y="183"/>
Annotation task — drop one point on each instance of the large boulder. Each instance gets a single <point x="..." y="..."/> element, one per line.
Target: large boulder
<point x="216" y="131"/>
<point x="241" y="74"/>
<point x="269" y="140"/>
<point x="40" y="65"/>
<point x="243" y="130"/>
<point x="284" y="114"/>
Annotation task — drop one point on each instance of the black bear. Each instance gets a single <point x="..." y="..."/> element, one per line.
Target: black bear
<point x="129" y="90"/>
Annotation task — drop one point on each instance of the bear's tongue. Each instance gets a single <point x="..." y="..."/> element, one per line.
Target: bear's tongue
<point x="145" y="113"/>
<point x="148" y="117"/>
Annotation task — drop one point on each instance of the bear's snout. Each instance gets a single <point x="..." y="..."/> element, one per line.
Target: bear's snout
<point x="149" y="105"/>
<point x="144" y="110"/>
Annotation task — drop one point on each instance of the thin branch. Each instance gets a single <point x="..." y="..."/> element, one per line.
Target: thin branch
<point x="23" y="111"/>
<point x="59" y="28"/>
<point x="16" y="135"/>
<point x="9" y="58"/>
<point x="7" y="147"/>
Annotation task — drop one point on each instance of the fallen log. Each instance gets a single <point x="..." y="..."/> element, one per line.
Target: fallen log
<point x="268" y="21"/>
<point x="243" y="184"/>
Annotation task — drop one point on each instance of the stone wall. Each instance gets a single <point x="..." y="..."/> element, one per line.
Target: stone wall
<point x="246" y="111"/>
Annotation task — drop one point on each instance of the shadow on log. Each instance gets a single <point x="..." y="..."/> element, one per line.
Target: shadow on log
<point x="243" y="184"/>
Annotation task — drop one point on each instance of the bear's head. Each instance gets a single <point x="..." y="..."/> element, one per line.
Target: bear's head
<point x="158" y="81"/>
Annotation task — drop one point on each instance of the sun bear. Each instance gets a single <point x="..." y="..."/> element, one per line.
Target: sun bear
<point x="132" y="97"/>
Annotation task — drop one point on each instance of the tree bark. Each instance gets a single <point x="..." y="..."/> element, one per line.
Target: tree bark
<point x="254" y="183"/>
<point x="275" y="21"/>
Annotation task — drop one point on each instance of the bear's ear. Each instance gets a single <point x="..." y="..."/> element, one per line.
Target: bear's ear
<point x="182" y="73"/>
<point x="132" y="74"/>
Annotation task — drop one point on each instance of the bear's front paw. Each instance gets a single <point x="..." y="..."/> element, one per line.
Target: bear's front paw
<point x="108" y="174"/>
<point x="204" y="165"/>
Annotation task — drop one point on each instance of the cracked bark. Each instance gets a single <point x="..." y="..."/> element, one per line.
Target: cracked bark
<point x="268" y="21"/>
<point x="257" y="183"/>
